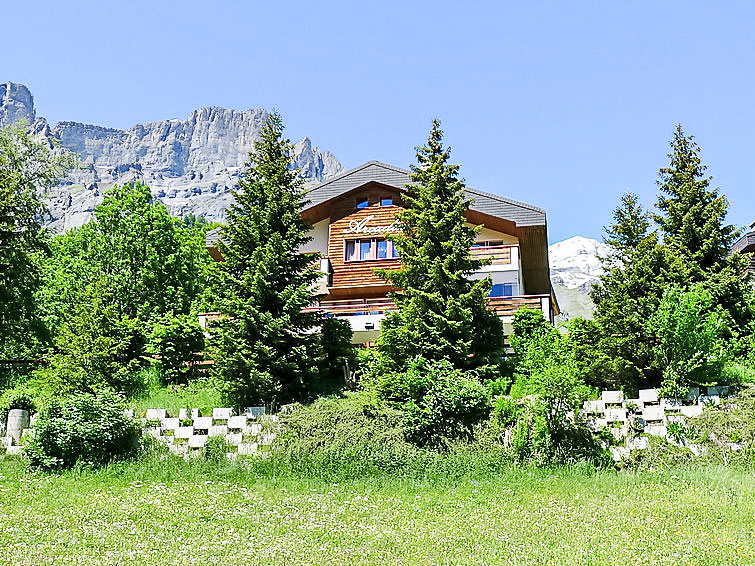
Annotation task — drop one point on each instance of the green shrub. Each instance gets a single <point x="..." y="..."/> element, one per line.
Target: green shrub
<point x="216" y="449"/>
<point x="86" y="429"/>
<point x="16" y="398"/>
<point x="176" y="340"/>
<point x="689" y="328"/>
<point x="437" y="401"/>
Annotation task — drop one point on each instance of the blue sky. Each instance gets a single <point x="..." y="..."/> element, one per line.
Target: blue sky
<point x="564" y="105"/>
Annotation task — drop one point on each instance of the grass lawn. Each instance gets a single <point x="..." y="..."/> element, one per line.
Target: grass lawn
<point x="142" y="514"/>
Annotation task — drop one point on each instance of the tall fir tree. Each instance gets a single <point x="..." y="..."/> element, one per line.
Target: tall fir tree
<point x="266" y="347"/>
<point x="442" y="313"/>
<point x="692" y="214"/>
<point x="637" y="271"/>
<point x="691" y="219"/>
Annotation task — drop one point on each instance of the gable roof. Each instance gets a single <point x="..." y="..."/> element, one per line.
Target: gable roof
<point x="374" y="171"/>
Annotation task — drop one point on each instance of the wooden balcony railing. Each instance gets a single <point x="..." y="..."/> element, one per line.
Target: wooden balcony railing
<point x="502" y="306"/>
<point x="507" y="306"/>
<point x="498" y="255"/>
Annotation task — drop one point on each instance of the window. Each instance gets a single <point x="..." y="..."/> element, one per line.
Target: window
<point x="487" y="243"/>
<point x="504" y="290"/>
<point x="362" y="204"/>
<point x="374" y="248"/>
<point x="365" y="249"/>
<point x="382" y="249"/>
<point x="386" y="201"/>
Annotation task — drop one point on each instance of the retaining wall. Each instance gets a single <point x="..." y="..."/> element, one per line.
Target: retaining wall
<point x="649" y="414"/>
<point x="185" y="433"/>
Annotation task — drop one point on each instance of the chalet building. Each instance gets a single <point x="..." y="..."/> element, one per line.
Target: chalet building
<point x="351" y="214"/>
<point x="746" y="245"/>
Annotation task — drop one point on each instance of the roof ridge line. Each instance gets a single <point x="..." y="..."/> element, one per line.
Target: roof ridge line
<point x="505" y="199"/>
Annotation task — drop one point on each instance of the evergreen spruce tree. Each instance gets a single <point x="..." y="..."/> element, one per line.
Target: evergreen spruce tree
<point x="266" y="348"/>
<point x="692" y="213"/>
<point x="442" y="314"/>
<point x="637" y="271"/>
<point x="692" y="221"/>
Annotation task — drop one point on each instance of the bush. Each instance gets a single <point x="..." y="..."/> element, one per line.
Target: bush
<point x="526" y="428"/>
<point x="339" y="357"/>
<point x="176" y="340"/>
<point x="86" y="429"/>
<point x="689" y="329"/>
<point x="437" y="401"/>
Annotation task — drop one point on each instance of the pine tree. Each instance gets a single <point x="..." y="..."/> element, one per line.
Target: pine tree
<point x="266" y="348"/>
<point x="442" y="314"/>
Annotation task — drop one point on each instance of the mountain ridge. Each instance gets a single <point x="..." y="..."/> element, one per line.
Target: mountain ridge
<point x="189" y="164"/>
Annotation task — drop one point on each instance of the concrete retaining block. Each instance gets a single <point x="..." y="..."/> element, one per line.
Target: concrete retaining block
<point x="709" y="400"/>
<point x="6" y="441"/>
<point x="197" y="441"/>
<point x="636" y="402"/>
<point x="217" y="430"/>
<point x="619" y="453"/>
<point x="254" y="429"/>
<point x="612" y="397"/>
<point x="616" y="415"/>
<point x="14" y="450"/>
<point x="649" y="395"/>
<point x="619" y="432"/>
<point x="638" y="443"/>
<point x="153" y="431"/>
<point x="237" y="422"/>
<point x="202" y="423"/>
<point x="171" y="423"/>
<point x="671" y="404"/>
<point x="594" y="407"/>
<point x="247" y="449"/>
<point x="184" y="432"/>
<point x="156" y="414"/>
<point x="653" y="413"/>
<point x="18" y="420"/>
<point x="692" y="394"/>
<point x="691" y="411"/>
<point x="222" y="413"/>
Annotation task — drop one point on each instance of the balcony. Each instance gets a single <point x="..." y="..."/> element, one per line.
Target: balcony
<point x="497" y="258"/>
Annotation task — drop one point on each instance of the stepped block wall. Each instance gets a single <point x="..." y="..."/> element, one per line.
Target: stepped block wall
<point x="649" y="414"/>
<point x="186" y="434"/>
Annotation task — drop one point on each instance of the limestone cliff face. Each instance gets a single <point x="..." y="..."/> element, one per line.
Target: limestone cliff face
<point x="190" y="165"/>
<point x="16" y="104"/>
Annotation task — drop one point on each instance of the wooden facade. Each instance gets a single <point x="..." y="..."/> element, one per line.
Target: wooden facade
<point x="351" y="216"/>
<point x="347" y="223"/>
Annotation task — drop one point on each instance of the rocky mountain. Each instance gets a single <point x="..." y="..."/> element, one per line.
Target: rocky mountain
<point x="190" y="164"/>
<point x="575" y="267"/>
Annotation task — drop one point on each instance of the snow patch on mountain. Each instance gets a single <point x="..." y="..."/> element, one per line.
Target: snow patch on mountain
<point x="574" y="262"/>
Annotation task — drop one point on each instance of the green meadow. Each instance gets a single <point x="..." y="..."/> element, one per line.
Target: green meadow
<point x="170" y="512"/>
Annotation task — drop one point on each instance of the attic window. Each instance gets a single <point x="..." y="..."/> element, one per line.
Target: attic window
<point x="386" y="201"/>
<point x="362" y="204"/>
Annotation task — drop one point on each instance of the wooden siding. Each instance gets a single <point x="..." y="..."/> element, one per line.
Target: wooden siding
<point x="507" y="306"/>
<point x="498" y="255"/>
<point x="359" y="273"/>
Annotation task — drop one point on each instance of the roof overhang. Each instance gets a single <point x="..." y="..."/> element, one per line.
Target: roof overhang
<point x="486" y="204"/>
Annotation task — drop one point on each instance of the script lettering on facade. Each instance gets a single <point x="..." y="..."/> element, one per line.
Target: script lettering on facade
<point x="360" y="227"/>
